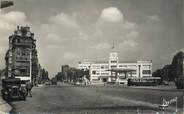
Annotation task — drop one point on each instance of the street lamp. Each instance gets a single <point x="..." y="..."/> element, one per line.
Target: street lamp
<point x="6" y="3"/>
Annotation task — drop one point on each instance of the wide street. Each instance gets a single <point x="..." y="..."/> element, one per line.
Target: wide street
<point x="68" y="99"/>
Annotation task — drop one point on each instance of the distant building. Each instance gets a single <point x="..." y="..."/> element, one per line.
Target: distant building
<point x="21" y="57"/>
<point x="43" y="75"/>
<point x="64" y="70"/>
<point x="115" y="70"/>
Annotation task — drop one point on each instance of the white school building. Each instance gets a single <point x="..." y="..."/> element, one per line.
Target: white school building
<point x="115" y="70"/>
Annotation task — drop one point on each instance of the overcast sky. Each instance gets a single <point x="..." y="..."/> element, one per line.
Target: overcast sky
<point x="68" y="31"/>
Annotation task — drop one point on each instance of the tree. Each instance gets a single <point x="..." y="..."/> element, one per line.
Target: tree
<point x="86" y="72"/>
<point x="59" y="76"/>
<point x="172" y="71"/>
<point x="158" y="73"/>
<point x="177" y="64"/>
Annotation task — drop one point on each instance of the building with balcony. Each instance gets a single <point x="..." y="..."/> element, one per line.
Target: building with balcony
<point x="21" y="57"/>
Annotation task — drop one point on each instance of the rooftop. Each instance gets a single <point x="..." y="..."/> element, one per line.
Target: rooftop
<point x="101" y="62"/>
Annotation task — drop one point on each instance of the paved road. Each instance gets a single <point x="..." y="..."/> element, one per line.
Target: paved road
<point x="93" y="100"/>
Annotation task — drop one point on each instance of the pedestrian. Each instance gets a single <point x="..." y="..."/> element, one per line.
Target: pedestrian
<point x="29" y="87"/>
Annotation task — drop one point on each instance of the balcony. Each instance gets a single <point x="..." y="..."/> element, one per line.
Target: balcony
<point x="21" y="68"/>
<point x="22" y="59"/>
<point x="28" y="44"/>
<point x="22" y="75"/>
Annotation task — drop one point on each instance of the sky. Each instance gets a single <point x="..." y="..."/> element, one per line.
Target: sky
<point x="69" y="31"/>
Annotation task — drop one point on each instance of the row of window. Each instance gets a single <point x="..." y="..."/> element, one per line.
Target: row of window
<point x="127" y="66"/>
<point x="146" y="72"/>
<point x="22" y="72"/>
<point x="133" y="72"/>
<point x="96" y="67"/>
<point x="114" y="61"/>
<point x="115" y="66"/>
<point x="23" y="41"/>
<point x="22" y="63"/>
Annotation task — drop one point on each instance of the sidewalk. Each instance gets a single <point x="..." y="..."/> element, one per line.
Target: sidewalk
<point x="160" y="87"/>
<point x="5" y="108"/>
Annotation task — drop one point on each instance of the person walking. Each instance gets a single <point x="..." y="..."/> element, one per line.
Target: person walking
<point x="29" y="87"/>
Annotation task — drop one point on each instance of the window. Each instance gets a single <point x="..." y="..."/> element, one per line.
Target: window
<point x="113" y="61"/>
<point x="113" y="66"/>
<point x="146" y="65"/>
<point x="104" y="73"/>
<point x="97" y="73"/>
<point x="23" y="72"/>
<point x="18" y="52"/>
<point x="133" y="72"/>
<point x="94" y="72"/>
<point x="18" y="40"/>
<point x="146" y="71"/>
<point x="23" y="53"/>
<point x="131" y="65"/>
<point x="104" y="67"/>
<point x="122" y="65"/>
<point x="95" y="79"/>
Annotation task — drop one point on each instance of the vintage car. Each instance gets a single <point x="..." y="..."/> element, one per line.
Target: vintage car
<point x="13" y="88"/>
<point x="48" y="83"/>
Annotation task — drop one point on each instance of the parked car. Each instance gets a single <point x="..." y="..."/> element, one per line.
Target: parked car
<point x="77" y="83"/>
<point x="54" y="81"/>
<point x="13" y="89"/>
<point x="47" y="83"/>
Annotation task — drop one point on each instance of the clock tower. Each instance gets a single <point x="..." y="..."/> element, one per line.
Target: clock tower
<point x="113" y="59"/>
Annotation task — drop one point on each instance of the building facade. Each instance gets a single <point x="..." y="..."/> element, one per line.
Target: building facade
<point x="115" y="70"/>
<point x="21" y="57"/>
